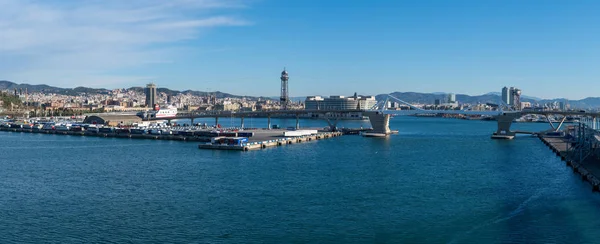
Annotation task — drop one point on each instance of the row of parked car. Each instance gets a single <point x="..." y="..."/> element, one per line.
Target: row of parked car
<point x="45" y="126"/>
<point x="150" y="130"/>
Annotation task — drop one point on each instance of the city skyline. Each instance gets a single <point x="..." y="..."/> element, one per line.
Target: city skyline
<point x="497" y="92"/>
<point x="240" y="47"/>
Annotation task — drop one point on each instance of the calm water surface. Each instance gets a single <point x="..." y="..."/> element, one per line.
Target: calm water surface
<point x="438" y="181"/>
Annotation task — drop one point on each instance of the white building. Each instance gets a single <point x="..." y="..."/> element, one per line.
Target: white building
<point x="512" y="97"/>
<point x="451" y="98"/>
<point x="339" y="103"/>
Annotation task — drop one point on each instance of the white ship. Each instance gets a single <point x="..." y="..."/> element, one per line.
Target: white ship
<point x="169" y="112"/>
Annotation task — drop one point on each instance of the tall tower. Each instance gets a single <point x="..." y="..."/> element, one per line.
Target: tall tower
<point x="516" y="98"/>
<point x="285" y="98"/>
<point x="511" y="96"/>
<point x="150" y="95"/>
<point x="505" y="95"/>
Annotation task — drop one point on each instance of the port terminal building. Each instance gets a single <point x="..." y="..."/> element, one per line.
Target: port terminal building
<point x="339" y="103"/>
<point x="113" y="119"/>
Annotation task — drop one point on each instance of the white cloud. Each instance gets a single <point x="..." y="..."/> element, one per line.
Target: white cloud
<point x="86" y="40"/>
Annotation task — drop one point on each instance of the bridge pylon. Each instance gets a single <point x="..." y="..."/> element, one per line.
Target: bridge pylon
<point x="379" y="121"/>
<point x="505" y="120"/>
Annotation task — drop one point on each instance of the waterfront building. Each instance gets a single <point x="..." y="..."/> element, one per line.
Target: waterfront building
<point x="227" y="106"/>
<point x="392" y="105"/>
<point x="505" y="95"/>
<point x="113" y="120"/>
<point x="451" y="98"/>
<point x="339" y="103"/>
<point x="562" y="105"/>
<point x="515" y="97"/>
<point x="512" y="97"/>
<point x="150" y="94"/>
<point x="313" y="102"/>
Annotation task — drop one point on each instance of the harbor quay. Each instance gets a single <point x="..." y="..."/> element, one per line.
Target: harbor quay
<point x="111" y="134"/>
<point x="239" y="140"/>
<point x="578" y="147"/>
<point x="262" y="139"/>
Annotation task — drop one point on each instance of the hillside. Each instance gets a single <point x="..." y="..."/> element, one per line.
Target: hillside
<point x="7" y="85"/>
<point x="410" y="97"/>
<point x="8" y="99"/>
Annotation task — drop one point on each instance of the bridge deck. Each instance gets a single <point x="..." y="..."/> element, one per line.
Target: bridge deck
<point x="189" y="115"/>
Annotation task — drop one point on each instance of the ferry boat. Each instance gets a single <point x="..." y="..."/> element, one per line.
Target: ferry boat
<point x="158" y="112"/>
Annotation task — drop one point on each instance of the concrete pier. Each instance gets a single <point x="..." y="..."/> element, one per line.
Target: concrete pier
<point x="266" y="141"/>
<point x="380" y="122"/>
<point x="115" y="135"/>
<point x="505" y="120"/>
<point x="261" y="139"/>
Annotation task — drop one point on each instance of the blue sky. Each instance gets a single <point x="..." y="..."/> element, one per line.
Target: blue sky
<point x="547" y="48"/>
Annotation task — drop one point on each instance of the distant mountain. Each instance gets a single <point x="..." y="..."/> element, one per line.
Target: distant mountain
<point x="7" y="85"/>
<point x="523" y="96"/>
<point x="410" y="97"/>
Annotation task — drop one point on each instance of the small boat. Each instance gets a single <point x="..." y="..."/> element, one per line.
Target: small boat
<point x="502" y="136"/>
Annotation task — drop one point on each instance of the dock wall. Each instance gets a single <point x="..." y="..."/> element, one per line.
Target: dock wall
<point x="273" y="142"/>
<point x="588" y="169"/>
<point x="115" y="135"/>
